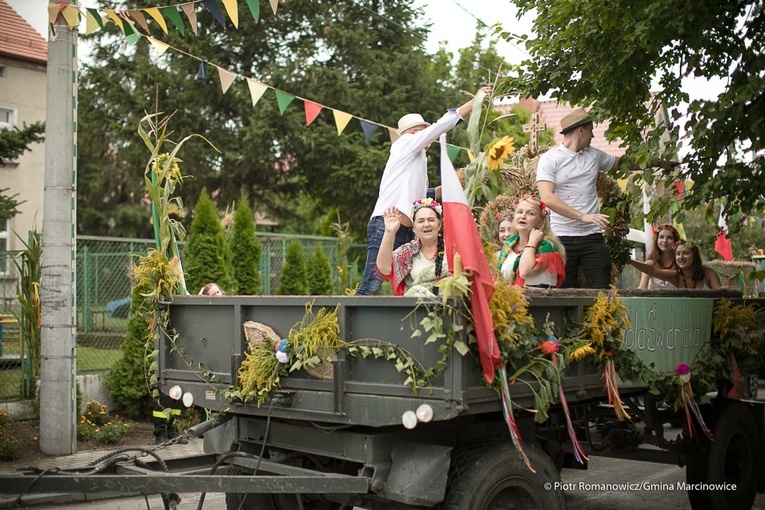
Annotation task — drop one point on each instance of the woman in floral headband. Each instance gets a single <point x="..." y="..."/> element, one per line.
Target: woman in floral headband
<point x="414" y="267"/>
<point x="691" y="273"/>
<point x="661" y="256"/>
<point x="534" y="256"/>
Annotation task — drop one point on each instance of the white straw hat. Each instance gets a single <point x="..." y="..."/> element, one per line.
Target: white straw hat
<point x="409" y="121"/>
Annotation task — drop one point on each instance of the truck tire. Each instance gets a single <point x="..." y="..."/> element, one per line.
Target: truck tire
<point x="733" y="457"/>
<point x="490" y="475"/>
<point x="255" y="501"/>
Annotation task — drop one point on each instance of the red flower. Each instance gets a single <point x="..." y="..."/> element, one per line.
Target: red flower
<point x="683" y="369"/>
<point x="548" y="347"/>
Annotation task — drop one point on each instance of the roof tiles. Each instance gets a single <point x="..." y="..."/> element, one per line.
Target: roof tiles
<point x="18" y="40"/>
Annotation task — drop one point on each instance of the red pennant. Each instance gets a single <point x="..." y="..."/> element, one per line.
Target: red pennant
<point x="312" y="111"/>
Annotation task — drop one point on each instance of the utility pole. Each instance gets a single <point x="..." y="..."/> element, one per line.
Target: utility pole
<point x="59" y="323"/>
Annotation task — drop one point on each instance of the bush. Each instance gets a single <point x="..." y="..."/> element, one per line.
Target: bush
<point x="245" y="251"/>
<point x="3" y="419"/>
<point x="113" y="431"/>
<point x="10" y="449"/>
<point x="85" y="430"/>
<point x="205" y="254"/>
<point x="293" y="280"/>
<point x="319" y="274"/>
<point x="95" y="413"/>
<point x="95" y="423"/>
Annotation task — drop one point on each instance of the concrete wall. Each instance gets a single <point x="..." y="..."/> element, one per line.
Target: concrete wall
<point x="22" y="89"/>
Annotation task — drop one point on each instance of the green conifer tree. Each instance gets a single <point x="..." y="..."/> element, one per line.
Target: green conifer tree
<point x="293" y="280"/>
<point x="245" y="251"/>
<point x="205" y="254"/>
<point x="319" y="273"/>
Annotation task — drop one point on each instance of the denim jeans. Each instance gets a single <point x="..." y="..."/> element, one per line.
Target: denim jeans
<point x="592" y="256"/>
<point x="372" y="280"/>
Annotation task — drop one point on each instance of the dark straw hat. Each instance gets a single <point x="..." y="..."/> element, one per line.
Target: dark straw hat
<point x="577" y="117"/>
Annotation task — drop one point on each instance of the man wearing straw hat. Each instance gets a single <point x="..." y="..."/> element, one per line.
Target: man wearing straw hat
<point x="566" y="177"/>
<point x="404" y="180"/>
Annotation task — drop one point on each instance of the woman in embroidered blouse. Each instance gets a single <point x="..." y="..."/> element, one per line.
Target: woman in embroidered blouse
<point x="662" y="256"/>
<point x="691" y="273"/>
<point x="414" y="267"/>
<point x="534" y="256"/>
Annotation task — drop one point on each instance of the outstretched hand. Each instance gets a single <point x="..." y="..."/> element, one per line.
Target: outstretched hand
<point x="600" y="220"/>
<point x="392" y="219"/>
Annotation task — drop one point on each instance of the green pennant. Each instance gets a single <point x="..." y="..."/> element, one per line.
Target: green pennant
<point x="254" y="6"/>
<point x="97" y="16"/>
<point x="133" y="38"/>
<point x="283" y="99"/>
<point x="127" y="29"/>
<point x="175" y="16"/>
<point x="452" y="151"/>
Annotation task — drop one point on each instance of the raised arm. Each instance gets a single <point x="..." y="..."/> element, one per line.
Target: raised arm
<point x="668" y="275"/>
<point x="385" y="253"/>
<point x="547" y="194"/>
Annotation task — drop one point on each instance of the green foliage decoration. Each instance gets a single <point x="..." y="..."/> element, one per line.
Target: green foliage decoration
<point x="204" y="256"/>
<point x="245" y="250"/>
<point x="319" y="273"/>
<point x="293" y="280"/>
<point x="28" y="289"/>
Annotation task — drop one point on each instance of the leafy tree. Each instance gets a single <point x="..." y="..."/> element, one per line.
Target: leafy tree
<point x="205" y="253"/>
<point x="293" y="280"/>
<point x="319" y="273"/>
<point x="245" y="251"/>
<point x="607" y="55"/>
<point x="13" y="143"/>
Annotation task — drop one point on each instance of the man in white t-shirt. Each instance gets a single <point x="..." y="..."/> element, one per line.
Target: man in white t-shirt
<point x="404" y="180"/>
<point x="566" y="177"/>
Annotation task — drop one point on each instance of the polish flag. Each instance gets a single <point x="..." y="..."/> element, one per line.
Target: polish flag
<point x="722" y="244"/>
<point x="461" y="235"/>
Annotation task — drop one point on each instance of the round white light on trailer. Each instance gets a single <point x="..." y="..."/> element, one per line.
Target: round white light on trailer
<point x="409" y="419"/>
<point x="175" y="392"/>
<point x="188" y="399"/>
<point x="424" y="413"/>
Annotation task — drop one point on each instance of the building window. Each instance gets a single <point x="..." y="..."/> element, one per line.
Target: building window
<point x="7" y="118"/>
<point x="2" y="71"/>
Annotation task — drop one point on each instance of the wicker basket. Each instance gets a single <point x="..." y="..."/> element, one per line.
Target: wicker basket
<point x="325" y="370"/>
<point x="258" y="333"/>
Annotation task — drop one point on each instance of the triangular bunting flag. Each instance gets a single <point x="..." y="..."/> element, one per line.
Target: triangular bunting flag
<point x="393" y="135"/>
<point x="138" y="16"/>
<point x="201" y="76"/>
<point x="96" y="16"/>
<point x="368" y="128"/>
<point x="312" y="111"/>
<point x="214" y="8"/>
<point x="274" y="5"/>
<point x="175" y="16"/>
<point x="53" y="11"/>
<point x="341" y="120"/>
<point x="132" y="38"/>
<point x="127" y="28"/>
<point x="116" y="19"/>
<point x="283" y="99"/>
<point x="257" y="90"/>
<point x="254" y="6"/>
<point x="191" y="14"/>
<point x="452" y="151"/>
<point x="226" y="78"/>
<point x="158" y="45"/>
<point x="92" y="22"/>
<point x="232" y="8"/>
<point x="154" y="13"/>
<point x="71" y="15"/>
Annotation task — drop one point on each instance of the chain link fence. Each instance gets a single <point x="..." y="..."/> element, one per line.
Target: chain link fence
<point x="103" y="295"/>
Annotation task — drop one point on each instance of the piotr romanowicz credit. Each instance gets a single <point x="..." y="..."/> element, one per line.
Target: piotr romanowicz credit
<point x="642" y="486"/>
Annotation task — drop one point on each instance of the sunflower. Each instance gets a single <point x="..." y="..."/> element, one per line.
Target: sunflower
<point x="499" y="151"/>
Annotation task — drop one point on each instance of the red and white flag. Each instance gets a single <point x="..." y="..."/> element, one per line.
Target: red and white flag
<point x="723" y="245"/>
<point x="461" y="235"/>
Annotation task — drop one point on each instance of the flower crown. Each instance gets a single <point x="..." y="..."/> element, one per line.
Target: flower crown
<point x="426" y="202"/>
<point x="690" y="245"/>
<point x="669" y="227"/>
<point x="532" y="196"/>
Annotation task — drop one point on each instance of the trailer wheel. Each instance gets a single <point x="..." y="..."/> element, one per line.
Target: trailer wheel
<point x="490" y="475"/>
<point x="253" y="501"/>
<point x="733" y="457"/>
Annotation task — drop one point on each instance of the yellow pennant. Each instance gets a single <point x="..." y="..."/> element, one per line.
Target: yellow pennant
<point x="116" y="19"/>
<point x="71" y="15"/>
<point x="274" y="5"/>
<point x="341" y="120"/>
<point x="188" y="9"/>
<point x="233" y="11"/>
<point x="52" y="13"/>
<point x="257" y="90"/>
<point x="158" y="45"/>
<point x="91" y="25"/>
<point x="226" y="78"/>
<point x="154" y="13"/>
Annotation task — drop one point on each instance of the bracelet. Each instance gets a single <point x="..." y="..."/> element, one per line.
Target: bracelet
<point x="532" y="247"/>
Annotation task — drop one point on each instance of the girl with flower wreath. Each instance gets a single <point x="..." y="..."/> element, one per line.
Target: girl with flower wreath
<point x="691" y="272"/>
<point x="534" y="256"/>
<point x="661" y="256"/>
<point x="414" y="267"/>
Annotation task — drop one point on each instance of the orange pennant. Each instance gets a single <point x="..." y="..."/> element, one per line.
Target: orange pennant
<point x="341" y="120"/>
<point x="154" y="13"/>
<point x="257" y="90"/>
<point x="274" y="5"/>
<point x="139" y="18"/>
<point x="312" y="111"/>
<point x="226" y="78"/>
<point x="188" y="9"/>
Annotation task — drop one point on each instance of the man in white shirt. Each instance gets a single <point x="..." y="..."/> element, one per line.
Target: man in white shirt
<point x="404" y="180"/>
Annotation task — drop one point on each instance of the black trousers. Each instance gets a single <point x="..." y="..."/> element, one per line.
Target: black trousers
<point x="592" y="256"/>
